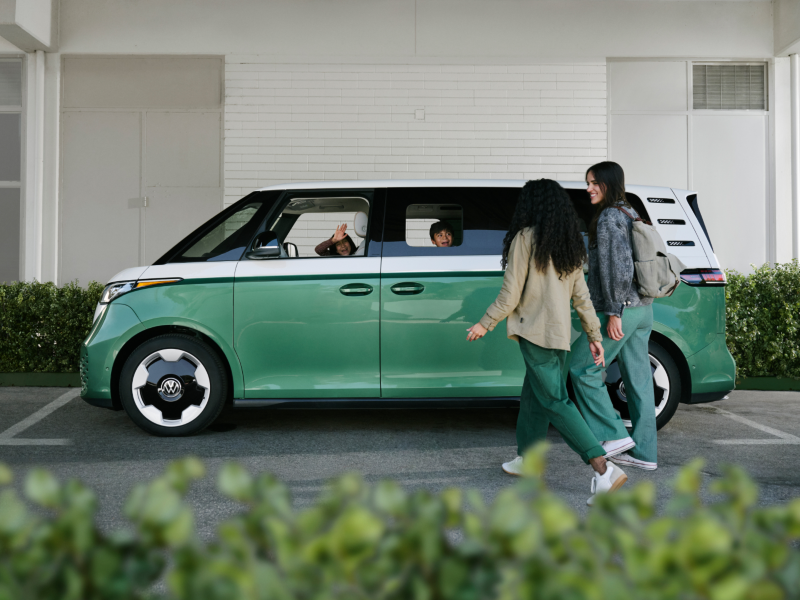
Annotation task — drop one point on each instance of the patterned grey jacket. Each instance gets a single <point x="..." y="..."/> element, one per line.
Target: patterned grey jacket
<point x="611" y="264"/>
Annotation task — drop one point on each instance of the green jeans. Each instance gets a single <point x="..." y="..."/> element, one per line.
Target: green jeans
<point x="634" y="364"/>
<point x="544" y="400"/>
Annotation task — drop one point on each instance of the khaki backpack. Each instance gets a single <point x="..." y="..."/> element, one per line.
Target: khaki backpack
<point x="656" y="272"/>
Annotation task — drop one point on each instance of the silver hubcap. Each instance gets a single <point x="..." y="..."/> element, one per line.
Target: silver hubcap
<point x="171" y="387"/>
<point x="616" y="388"/>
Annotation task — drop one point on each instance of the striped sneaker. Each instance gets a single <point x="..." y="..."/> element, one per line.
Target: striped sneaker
<point x="627" y="460"/>
<point x="614" y="447"/>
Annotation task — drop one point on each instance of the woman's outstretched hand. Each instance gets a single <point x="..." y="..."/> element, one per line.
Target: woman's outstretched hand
<point x="476" y="332"/>
<point x="598" y="353"/>
<point x="339" y="234"/>
<point x="615" y="328"/>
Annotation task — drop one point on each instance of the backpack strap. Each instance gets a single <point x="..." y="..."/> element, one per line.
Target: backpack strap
<point x="631" y="217"/>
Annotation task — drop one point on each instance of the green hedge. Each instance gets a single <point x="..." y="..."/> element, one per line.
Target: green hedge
<point x="763" y="320"/>
<point x="42" y="326"/>
<point x="380" y="542"/>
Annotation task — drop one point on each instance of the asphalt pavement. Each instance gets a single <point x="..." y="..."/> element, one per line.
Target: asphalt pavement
<point x="418" y="447"/>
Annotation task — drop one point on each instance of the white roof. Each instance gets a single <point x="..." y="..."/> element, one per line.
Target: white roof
<point x="407" y="183"/>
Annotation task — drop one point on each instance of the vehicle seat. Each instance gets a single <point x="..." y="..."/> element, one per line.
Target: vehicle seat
<point x="360" y="229"/>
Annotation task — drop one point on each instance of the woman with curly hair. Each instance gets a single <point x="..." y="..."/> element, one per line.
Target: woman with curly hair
<point x="628" y="318"/>
<point x="543" y="256"/>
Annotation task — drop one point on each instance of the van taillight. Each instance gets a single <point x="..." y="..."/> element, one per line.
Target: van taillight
<point x="703" y="277"/>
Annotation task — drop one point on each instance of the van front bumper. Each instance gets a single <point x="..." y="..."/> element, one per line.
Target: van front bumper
<point x="713" y="372"/>
<point x="115" y="326"/>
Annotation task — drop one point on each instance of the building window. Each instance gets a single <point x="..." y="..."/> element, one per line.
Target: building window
<point x="10" y="166"/>
<point x="729" y="86"/>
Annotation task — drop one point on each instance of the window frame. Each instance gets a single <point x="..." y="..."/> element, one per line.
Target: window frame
<point x="267" y="197"/>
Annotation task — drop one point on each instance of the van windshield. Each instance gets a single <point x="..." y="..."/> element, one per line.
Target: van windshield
<point x="226" y="236"/>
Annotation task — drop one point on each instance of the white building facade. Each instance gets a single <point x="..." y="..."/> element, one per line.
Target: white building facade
<point x="124" y="125"/>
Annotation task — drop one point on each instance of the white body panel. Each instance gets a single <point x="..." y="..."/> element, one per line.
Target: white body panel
<point x="198" y="270"/>
<point x="130" y="274"/>
<point x="698" y="256"/>
<point x="283" y="267"/>
<point x="439" y="264"/>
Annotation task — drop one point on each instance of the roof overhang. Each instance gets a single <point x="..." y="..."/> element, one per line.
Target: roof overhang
<point x="30" y="24"/>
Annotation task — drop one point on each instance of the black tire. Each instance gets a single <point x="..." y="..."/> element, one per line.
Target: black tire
<point x="666" y="386"/>
<point x="187" y="386"/>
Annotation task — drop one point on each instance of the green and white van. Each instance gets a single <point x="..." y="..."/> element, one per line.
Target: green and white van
<point x="243" y="312"/>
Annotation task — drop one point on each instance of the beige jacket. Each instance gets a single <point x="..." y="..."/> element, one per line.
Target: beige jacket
<point x="537" y="304"/>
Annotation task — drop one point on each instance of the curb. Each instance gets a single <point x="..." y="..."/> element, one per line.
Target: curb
<point x="768" y="384"/>
<point x="40" y="380"/>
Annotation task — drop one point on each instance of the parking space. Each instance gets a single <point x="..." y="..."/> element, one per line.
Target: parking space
<point x="429" y="448"/>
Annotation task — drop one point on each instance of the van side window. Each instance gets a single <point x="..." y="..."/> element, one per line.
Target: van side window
<point x="478" y="216"/>
<point x="310" y="218"/>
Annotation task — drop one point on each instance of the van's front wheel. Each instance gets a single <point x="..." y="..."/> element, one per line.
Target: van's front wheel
<point x="173" y="385"/>
<point x="666" y="386"/>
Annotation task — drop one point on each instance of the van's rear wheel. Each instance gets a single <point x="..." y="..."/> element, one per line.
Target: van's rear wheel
<point x="666" y="386"/>
<point x="173" y="385"/>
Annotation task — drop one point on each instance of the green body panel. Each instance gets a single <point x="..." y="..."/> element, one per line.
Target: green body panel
<point x="424" y="352"/>
<point x="713" y="368"/>
<point x="108" y="335"/>
<point x="205" y="305"/>
<point x="300" y="337"/>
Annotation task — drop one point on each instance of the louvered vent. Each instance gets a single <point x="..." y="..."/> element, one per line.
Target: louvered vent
<point x="11" y="82"/>
<point x="730" y="87"/>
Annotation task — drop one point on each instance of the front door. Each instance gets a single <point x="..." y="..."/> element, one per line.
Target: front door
<point x="430" y="294"/>
<point x="305" y="325"/>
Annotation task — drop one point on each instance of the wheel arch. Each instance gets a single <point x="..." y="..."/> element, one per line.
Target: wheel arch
<point x="680" y="360"/>
<point x="141" y="337"/>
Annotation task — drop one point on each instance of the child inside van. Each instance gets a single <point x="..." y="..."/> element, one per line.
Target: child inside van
<point x="441" y="234"/>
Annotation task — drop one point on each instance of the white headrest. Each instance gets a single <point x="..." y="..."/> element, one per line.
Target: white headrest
<point x="360" y="224"/>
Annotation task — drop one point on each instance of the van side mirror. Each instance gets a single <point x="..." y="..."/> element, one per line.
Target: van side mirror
<point x="266" y="245"/>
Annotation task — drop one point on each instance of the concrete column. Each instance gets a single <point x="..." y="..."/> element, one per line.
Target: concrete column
<point x="795" y="100"/>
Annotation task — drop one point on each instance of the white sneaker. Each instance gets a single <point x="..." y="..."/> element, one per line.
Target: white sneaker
<point x="513" y="467"/>
<point x="614" y="447"/>
<point x="613" y="479"/>
<point x="627" y="460"/>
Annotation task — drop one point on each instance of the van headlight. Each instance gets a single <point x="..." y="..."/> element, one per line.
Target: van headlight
<point x="116" y="289"/>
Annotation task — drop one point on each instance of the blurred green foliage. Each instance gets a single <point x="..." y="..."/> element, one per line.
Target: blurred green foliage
<point x="42" y="326"/>
<point x="381" y="542"/>
<point x="763" y="320"/>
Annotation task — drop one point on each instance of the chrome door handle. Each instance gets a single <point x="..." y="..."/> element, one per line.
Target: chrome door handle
<point x="407" y="288"/>
<point x="356" y="289"/>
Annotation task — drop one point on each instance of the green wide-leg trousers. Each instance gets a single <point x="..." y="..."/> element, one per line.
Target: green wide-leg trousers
<point x="591" y="395"/>
<point x="544" y="400"/>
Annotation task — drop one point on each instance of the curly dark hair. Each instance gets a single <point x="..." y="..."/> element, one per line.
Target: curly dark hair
<point x="545" y="206"/>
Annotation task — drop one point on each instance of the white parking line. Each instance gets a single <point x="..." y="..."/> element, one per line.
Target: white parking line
<point x="7" y="437"/>
<point x="779" y="439"/>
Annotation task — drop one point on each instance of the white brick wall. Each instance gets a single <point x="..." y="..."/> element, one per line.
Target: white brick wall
<point x="302" y="122"/>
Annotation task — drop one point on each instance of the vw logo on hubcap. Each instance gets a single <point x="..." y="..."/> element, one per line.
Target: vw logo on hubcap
<point x="170" y="389"/>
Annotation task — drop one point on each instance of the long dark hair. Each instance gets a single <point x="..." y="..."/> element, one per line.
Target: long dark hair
<point x="545" y="206"/>
<point x="611" y="178"/>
